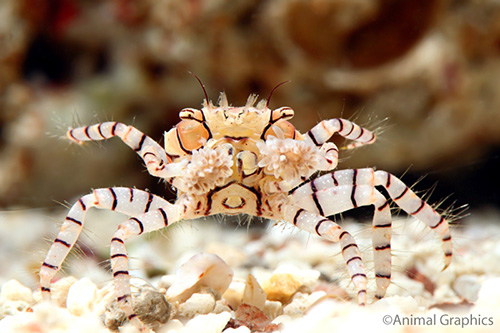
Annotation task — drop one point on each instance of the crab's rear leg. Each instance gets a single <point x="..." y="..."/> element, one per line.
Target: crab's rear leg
<point x="149" y="150"/>
<point x="128" y="201"/>
<point x="347" y="189"/>
<point x="405" y="198"/>
<point x="323" y="227"/>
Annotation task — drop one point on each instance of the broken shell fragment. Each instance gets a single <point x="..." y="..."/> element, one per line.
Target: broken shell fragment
<point x="301" y="302"/>
<point x="207" y="323"/>
<point x="201" y="271"/>
<point x="253" y="293"/>
<point x="234" y="294"/>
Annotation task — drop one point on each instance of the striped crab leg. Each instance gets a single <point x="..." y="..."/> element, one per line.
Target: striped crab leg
<point x="346" y="189"/>
<point x="135" y="226"/>
<point x="343" y="190"/>
<point x="325" y="228"/>
<point x="324" y="130"/>
<point x="157" y="161"/>
<point x="405" y="198"/>
<point x="131" y="202"/>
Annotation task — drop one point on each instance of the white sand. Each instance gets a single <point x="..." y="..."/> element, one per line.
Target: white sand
<point x="307" y="302"/>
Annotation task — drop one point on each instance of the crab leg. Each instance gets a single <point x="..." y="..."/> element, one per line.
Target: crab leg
<point x="346" y="189"/>
<point x="151" y="152"/>
<point x="315" y="223"/>
<point x="325" y="129"/>
<point x="128" y="201"/>
<point x="415" y="206"/>
<point x="135" y="226"/>
<point x="343" y="190"/>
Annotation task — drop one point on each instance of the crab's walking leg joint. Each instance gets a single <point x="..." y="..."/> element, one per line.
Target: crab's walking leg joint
<point x="324" y="130"/>
<point x="346" y="189"/>
<point x="151" y="152"/>
<point x="150" y="213"/>
<point x="155" y="219"/>
<point x="343" y="190"/>
<point x="417" y="207"/>
<point x="318" y="224"/>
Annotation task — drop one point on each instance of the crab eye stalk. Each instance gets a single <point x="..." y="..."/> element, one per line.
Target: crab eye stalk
<point x="283" y="113"/>
<point x="193" y="114"/>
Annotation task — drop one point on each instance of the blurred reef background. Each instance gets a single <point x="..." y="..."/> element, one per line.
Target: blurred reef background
<point x="426" y="71"/>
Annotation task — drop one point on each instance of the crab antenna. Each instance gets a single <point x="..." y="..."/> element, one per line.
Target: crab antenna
<point x="272" y="91"/>
<point x="201" y="84"/>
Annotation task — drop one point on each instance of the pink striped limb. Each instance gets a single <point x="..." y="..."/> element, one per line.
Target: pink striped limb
<point x="149" y="212"/>
<point x="347" y="189"/>
<point x="315" y="223"/>
<point x="324" y="130"/>
<point x="135" y="226"/>
<point x="157" y="161"/>
<point x="417" y="207"/>
<point x="331" y="156"/>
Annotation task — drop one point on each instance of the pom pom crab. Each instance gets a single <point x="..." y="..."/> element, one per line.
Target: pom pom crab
<point x="246" y="160"/>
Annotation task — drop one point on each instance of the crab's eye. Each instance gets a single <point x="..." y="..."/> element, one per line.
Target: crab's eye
<point x="286" y="129"/>
<point x="188" y="113"/>
<point x="283" y="113"/>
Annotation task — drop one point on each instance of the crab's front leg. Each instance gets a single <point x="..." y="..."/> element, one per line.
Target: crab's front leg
<point x="151" y="211"/>
<point x="135" y="226"/>
<point x="323" y="131"/>
<point x="323" y="227"/>
<point x="157" y="161"/>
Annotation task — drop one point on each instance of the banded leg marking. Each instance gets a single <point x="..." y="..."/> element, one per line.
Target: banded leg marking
<point x="331" y="156"/>
<point x="324" y="130"/>
<point x="415" y="206"/>
<point x="336" y="199"/>
<point x="134" y="226"/>
<point x="130" y="202"/>
<point x="328" y="229"/>
<point x="381" y="240"/>
<point x="64" y="241"/>
<point x="342" y="177"/>
<point x="143" y="145"/>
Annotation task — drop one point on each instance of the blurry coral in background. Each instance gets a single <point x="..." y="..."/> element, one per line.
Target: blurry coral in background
<point x="431" y="67"/>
